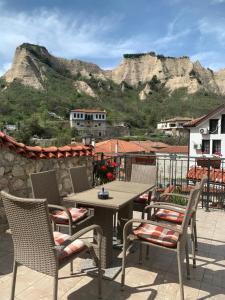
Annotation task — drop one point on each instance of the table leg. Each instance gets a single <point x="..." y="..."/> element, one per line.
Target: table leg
<point x="104" y="218"/>
<point x="125" y="213"/>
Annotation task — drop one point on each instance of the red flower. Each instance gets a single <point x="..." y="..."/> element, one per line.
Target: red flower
<point x="103" y="168"/>
<point x="109" y="176"/>
<point x="114" y="164"/>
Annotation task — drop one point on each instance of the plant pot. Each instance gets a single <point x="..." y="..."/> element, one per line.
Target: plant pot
<point x="204" y="163"/>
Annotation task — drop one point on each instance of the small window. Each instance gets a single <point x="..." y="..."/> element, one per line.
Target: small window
<point x="100" y="116"/>
<point x="96" y="116"/>
<point x="81" y="115"/>
<point x="223" y="124"/>
<point x="216" y="147"/>
<point x="213" y="126"/>
<point x="99" y="134"/>
<point x="206" y="146"/>
<point x="74" y="115"/>
<point x="172" y="125"/>
<point x="78" y="115"/>
<point x="103" y="116"/>
<point x="78" y="123"/>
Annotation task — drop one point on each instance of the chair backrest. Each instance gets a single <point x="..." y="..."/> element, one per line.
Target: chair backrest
<point x="190" y="208"/>
<point x="143" y="174"/>
<point x="44" y="186"/>
<point x="31" y="232"/>
<point x="200" y="185"/>
<point x="79" y="179"/>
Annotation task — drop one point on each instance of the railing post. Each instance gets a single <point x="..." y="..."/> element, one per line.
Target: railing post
<point x="208" y="187"/>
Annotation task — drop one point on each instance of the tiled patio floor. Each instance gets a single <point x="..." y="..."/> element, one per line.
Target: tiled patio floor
<point x="154" y="279"/>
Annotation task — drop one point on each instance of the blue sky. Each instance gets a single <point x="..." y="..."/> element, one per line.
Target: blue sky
<point x="101" y="31"/>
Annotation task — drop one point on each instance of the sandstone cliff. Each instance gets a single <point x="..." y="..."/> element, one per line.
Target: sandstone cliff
<point x="31" y="64"/>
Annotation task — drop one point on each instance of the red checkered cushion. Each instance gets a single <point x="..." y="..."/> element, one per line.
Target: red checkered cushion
<point x="170" y="216"/>
<point x="60" y="216"/>
<point x="144" y="197"/>
<point x="157" y="235"/>
<point x="74" y="247"/>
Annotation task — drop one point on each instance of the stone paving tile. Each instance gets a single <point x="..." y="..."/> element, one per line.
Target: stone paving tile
<point x="155" y="278"/>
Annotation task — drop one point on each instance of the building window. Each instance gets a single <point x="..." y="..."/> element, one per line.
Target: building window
<point x="100" y="116"/>
<point x="74" y="115"/>
<point x="81" y="115"/>
<point x="172" y="125"/>
<point x="78" y="123"/>
<point x="78" y="115"/>
<point x="213" y="126"/>
<point x="99" y="134"/>
<point x="206" y="146"/>
<point x="103" y="116"/>
<point x="216" y="147"/>
<point x="96" y="116"/>
<point x="223" y="124"/>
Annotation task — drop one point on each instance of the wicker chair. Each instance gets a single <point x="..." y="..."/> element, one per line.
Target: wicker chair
<point x="44" y="185"/>
<point x="143" y="174"/>
<point x="163" y="211"/>
<point x="79" y="179"/>
<point x="37" y="247"/>
<point x="162" y="235"/>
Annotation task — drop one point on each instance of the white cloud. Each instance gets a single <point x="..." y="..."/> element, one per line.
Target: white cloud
<point x="74" y="36"/>
<point x="210" y="59"/>
<point x="213" y="27"/>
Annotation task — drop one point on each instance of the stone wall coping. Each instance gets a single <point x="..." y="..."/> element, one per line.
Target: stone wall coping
<point x="37" y="152"/>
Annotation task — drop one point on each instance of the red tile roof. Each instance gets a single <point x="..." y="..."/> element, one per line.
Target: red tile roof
<point x="197" y="121"/>
<point x="89" y="110"/>
<point x="37" y="152"/>
<point x="109" y="147"/>
<point x="150" y="146"/>
<point x="174" y="149"/>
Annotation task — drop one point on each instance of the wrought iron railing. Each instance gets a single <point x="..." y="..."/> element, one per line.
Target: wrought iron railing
<point x="179" y="170"/>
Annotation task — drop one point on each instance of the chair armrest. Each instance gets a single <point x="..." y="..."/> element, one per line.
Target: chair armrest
<point x="59" y="207"/>
<point x="82" y="232"/>
<point x="173" y="208"/>
<point x="170" y="204"/>
<point x="165" y="205"/>
<point x="174" y="194"/>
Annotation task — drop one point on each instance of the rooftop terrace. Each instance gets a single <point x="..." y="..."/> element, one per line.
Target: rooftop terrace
<point x="154" y="279"/>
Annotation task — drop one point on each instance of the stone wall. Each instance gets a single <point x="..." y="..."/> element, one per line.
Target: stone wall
<point x="15" y="173"/>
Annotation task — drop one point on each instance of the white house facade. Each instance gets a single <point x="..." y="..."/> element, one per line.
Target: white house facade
<point x="207" y="134"/>
<point x="174" y="126"/>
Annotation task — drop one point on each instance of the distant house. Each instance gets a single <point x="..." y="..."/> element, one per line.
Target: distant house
<point x="207" y="134"/>
<point x="94" y="122"/>
<point x="174" y="126"/>
<point x="89" y="121"/>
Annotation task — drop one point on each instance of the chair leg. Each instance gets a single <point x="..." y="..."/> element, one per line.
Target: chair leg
<point x="147" y="252"/>
<point x="55" y="287"/>
<point x="187" y="260"/>
<point x="193" y="243"/>
<point x="99" y="277"/>
<point x="15" y="264"/>
<point x="195" y="236"/>
<point x="123" y="263"/>
<point x="180" y="274"/>
<point x="71" y="268"/>
<point x="140" y="254"/>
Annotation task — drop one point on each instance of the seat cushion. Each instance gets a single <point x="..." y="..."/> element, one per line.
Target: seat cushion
<point x="170" y="216"/>
<point x="60" y="216"/>
<point x="157" y="235"/>
<point x="144" y="197"/>
<point x="74" y="247"/>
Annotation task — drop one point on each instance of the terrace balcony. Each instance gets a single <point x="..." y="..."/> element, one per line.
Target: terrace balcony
<point x="157" y="277"/>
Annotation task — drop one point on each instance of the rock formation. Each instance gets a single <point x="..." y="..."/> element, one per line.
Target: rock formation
<point x="31" y="64"/>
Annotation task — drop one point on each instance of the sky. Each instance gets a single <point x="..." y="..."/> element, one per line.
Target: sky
<point x="101" y="31"/>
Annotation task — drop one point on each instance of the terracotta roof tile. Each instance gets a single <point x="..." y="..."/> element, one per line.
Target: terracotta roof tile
<point x="109" y="147"/>
<point x="174" y="149"/>
<point x="36" y="152"/>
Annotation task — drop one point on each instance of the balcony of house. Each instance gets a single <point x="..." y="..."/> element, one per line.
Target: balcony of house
<point x="157" y="276"/>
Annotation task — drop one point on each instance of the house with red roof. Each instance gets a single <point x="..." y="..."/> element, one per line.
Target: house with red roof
<point x="207" y="134"/>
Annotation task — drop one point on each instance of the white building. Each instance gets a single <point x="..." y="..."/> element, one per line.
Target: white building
<point x="89" y="121"/>
<point x="173" y="126"/>
<point x="207" y="134"/>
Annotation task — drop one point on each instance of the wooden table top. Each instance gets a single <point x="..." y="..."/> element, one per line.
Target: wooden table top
<point x="117" y="198"/>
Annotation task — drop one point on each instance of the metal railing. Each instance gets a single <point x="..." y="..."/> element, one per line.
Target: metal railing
<point x="178" y="170"/>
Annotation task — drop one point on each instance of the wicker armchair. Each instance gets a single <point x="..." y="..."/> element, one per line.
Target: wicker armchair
<point x="164" y="211"/>
<point x="37" y="247"/>
<point x="44" y="186"/>
<point x="162" y="235"/>
<point x="143" y="174"/>
<point x="79" y="179"/>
